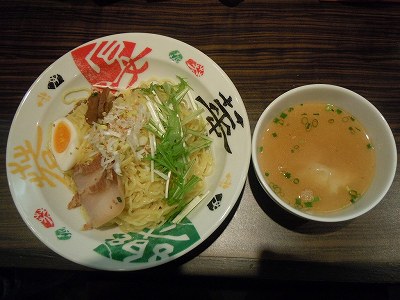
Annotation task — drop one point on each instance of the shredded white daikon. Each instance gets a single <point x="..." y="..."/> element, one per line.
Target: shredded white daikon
<point x="116" y="132"/>
<point x="154" y="115"/>
<point x="188" y="208"/>
<point x="152" y="152"/>
<point x="191" y="101"/>
<point x="161" y="174"/>
<point x="156" y="97"/>
<point x="167" y="184"/>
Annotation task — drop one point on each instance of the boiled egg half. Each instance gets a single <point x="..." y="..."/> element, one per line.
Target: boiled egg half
<point x="64" y="143"/>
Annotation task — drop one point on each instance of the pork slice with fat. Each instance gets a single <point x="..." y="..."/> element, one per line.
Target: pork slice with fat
<point x="103" y="201"/>
<point x="85" y="176"/>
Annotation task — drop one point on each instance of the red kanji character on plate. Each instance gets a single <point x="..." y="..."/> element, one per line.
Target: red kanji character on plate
<point x="43" y="216"/>
<point x="195" y="67"/>
<point x="110" y="63"/>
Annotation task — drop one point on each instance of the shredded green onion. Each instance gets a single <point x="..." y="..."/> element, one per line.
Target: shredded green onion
<point x="287" y="175"/>
<point x="295" y="148"/>
<point x="297" y="202"/>
<point x="354" y="195"/>
<point x="330" y="107"/>
<point x="276" y="188"/>
<point x="305" y="204"/>
<point x="308" y="204"/>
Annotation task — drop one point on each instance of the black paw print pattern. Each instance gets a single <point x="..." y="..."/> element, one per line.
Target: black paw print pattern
<point x="215" y="202"/>
<point x="55" y="81"/>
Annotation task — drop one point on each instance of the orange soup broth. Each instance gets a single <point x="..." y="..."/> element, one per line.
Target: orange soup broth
<point x="317" y="157"/>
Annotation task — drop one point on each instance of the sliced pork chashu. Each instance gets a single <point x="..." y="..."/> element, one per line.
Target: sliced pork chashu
<point x="103" y="201"/>
<point x="99" y="104"/>
<point x="99" y="192"/>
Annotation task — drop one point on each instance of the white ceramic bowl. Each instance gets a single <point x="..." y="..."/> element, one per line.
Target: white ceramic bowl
<point x="375" y="125"/>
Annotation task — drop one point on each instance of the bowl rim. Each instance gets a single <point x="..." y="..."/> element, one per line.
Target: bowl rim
<point x="334" y="216"/>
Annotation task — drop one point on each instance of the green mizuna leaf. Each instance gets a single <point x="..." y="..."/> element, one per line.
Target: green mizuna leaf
<point x="172" y="152"/>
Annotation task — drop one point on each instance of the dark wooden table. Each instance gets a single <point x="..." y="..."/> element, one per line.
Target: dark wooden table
<point x="266" y="48"/>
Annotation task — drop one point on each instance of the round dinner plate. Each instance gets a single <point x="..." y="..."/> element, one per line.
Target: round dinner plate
<point x="121" y="61"/>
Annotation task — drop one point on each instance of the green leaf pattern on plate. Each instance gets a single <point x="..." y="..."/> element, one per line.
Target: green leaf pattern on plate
<point x="150" y="245"/>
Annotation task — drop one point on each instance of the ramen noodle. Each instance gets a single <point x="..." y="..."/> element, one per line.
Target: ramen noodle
<point x="152" y="141"/>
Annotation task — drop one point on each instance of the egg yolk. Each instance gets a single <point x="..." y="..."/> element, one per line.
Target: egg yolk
<point x="62" y="137"/>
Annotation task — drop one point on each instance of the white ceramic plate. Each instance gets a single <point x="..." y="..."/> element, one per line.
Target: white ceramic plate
<point x="124" y="60"/>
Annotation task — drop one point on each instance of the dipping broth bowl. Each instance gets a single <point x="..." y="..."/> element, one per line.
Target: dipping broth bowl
<point x="375" y="126"/>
